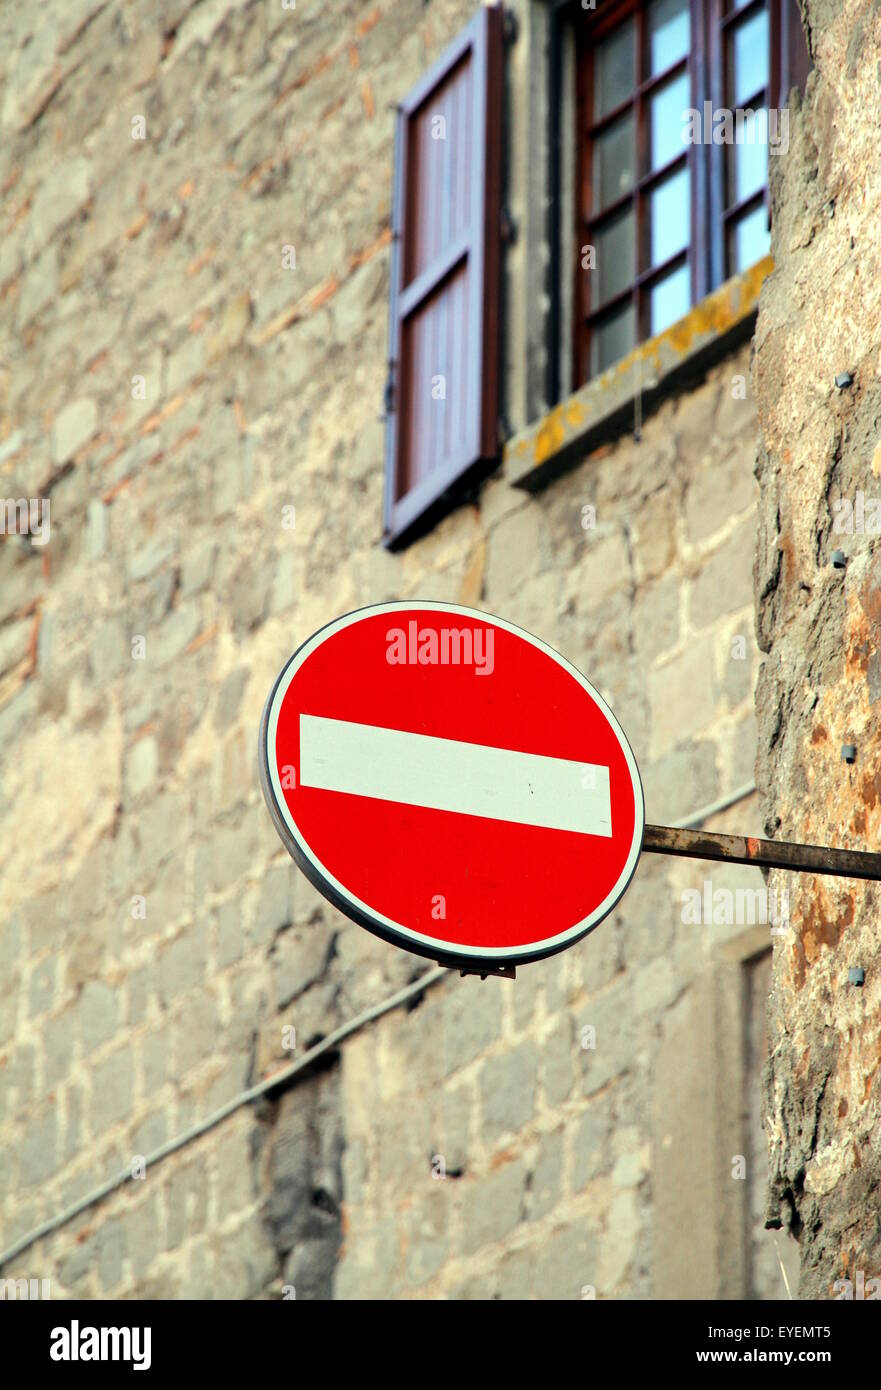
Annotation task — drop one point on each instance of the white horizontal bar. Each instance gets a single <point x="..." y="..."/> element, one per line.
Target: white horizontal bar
<point x="447" y="775"/>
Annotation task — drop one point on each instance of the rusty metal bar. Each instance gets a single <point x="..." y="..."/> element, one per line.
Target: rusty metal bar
<point x="765" y="854"/>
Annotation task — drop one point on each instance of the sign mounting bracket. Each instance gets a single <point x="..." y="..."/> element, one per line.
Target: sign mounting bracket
<point x="764" y="854"/>
<point x="508" y="971"/>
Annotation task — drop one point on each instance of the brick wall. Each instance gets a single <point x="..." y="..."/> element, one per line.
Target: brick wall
<point x="172" y="389"/>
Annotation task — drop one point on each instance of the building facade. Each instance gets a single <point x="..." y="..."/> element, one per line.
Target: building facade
<point x="224" y="298"/>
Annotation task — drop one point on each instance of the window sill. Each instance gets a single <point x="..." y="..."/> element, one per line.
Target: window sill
<point x="604" y="409"/>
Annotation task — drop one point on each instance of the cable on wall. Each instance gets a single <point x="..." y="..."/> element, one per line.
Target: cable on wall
<point x="281" y="1077"/>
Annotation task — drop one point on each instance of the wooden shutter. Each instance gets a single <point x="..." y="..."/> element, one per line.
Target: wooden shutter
<point x="442" y="395"/>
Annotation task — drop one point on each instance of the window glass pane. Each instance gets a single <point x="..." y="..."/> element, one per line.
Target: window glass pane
<point x="615" y="246"/>
<point x="614" y="163"/>
<point x="748" y="158"/>
<point x="614" y="68"/>
<point x="612" y="339"/>
<point x="748" y="240"/>
<point x="669" y="217"/>
<point x="667" y="109"/>
<point x="669" y="33"/>
<point x="669" y="299"/>
<point x="748" y="61"/>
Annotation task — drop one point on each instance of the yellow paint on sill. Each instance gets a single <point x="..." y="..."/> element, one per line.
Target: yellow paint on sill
<point x="716" y="314"/>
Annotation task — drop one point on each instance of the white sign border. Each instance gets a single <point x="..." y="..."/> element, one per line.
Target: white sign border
<point x="361" y="912"/>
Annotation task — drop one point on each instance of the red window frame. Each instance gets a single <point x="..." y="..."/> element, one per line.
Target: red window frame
<point x="710" y="211"/>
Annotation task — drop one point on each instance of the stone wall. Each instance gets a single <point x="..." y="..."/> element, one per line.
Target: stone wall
<point x="175" y="382"/>
<point x="820" y="319"/>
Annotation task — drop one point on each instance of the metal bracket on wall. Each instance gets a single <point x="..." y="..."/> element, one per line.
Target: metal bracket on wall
<point x="508" y="971"/>
<point x="481" y="968"/>
<point x="764" y="854"/>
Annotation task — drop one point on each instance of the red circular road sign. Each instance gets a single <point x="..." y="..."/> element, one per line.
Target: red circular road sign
<point x="451" y="783"/>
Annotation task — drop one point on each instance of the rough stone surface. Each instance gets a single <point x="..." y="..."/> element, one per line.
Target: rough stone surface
<point x="818" y="629"/>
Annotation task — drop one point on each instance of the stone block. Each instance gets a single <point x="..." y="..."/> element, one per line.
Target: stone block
<point x="275" y="906"/>
<point x="58" y="1041"/>
<point x="235" y="1175"/>
<point x="230" y="933"/>
<point x="744" y="751"/>
<point x="38" y="1149"/>
<point x="197" y="1032"/>
<point x="39" y="286"/>
<point x="508" y="1085"/>
<point x="34" y="74"/>
<point x="619" y="1244"/>
<point x="97" y="1013"/>
<point x="469" y="1025"/>
<point x="155" y="1060"/>
<point x="182" y="963"/>
<point x="680" y="783"/>
<point x="516" y="1277"/>
<point x="74" y="426"/>
<point x="695" y="412"/>
<point x="143" y="1234"/>
<point x="557" y="1061"/>
<point x="150" y="1133"/>
<point x="736" y="415"/>
<point x="493" y="1206"/>
<point x="299" y="960"/>
<point x="174" y="635"/>
<point x="73" y="1124"/>
<point x="654" y="535"/>
<point x="604" y="569"/>
<point x="592" y="1144"/>
<point x="737" y="672"/>
<point x="605" y="1036"/>
<point x="516" y="551"/>
<point x="310" y="1268"/>
<point x="656" y="617"/>
<point x="111" y="1250"/>
<point x="186" y="1196"/>
<point x="546" y="1181"/>
<point x="725" y="582"/>
<point x="453" y="1130"/>
<point x="112" y="1089"/>
<point x="566" y="1261"/>
<point x="149" y="555"/>
<point x="682" y="696"/>
<point x="61" y="194"/>
<point x="42" y="987"/>
<point x="141" y="766"/>
<point x="719" y="491"/>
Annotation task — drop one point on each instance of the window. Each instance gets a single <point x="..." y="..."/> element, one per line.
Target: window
<point x="677" y="104"/>
<point x="629" y="142"/>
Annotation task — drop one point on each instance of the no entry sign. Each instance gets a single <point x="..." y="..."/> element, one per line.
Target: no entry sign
<point x="451" y="783"/>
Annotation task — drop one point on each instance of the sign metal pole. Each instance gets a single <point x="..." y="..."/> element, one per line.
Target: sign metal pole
<point x="764" y="854"/>
<point x="741" y="849"/>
